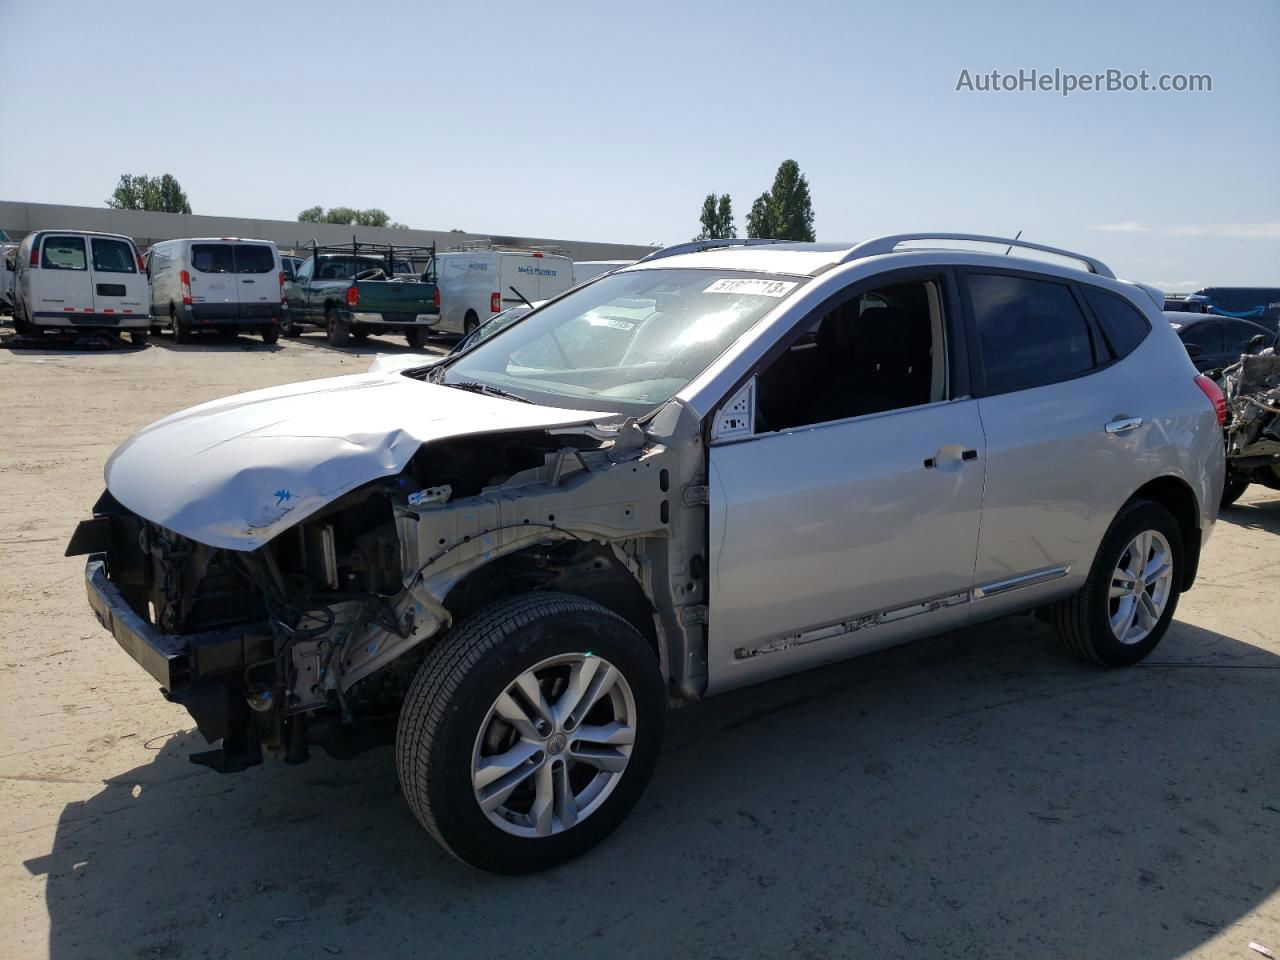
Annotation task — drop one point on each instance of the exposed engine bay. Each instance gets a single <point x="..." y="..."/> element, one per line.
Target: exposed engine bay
<point x="314" y="637"/>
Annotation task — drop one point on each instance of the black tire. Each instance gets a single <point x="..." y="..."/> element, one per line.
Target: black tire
<point x="416" y="336"/>
<point x="20" y="324"/>
<point x="336" y="328"/>
<point x="138" y="337"/>
<point x="469" y="323"/>
<point x="1083" y="621"/>
<point x="449" y="701"/>
<point x="361" y="334"/>
<point x="1234" y="488"/>
<point x="290" y="329"/>
<point x="270" y="333"/>
<point x="182" y="332"/>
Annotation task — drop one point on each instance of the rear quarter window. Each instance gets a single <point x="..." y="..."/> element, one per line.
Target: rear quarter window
<point x="1122" y="325"/>
<point x="254" y="258"/>
<point x="113" y="256"/>
<point x="63" y="253"/>
<point x="1031" y="332"/>
<point x="212" y="258"/>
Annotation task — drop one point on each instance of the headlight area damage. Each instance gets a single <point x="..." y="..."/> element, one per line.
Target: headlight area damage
<point x="314" y="636"/>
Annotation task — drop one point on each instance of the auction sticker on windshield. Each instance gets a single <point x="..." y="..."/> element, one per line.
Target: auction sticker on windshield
<point x="757" y="288"/>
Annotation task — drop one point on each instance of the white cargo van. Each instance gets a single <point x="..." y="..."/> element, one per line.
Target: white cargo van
<point x="475" y="285"/>
<point x="77" y="279"/>
<point x="217" y="283"/>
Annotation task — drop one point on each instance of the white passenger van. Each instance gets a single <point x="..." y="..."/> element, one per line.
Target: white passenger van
<point x="76" y="280"/>
<point x="475" y="285"/>
<point x="217" y="283"/>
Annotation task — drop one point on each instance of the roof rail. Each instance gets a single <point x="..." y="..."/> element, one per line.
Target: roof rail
<point x="889" y="244"/>
<point x="693" y="246"/>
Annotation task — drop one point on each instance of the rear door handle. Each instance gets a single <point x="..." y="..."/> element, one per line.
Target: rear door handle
<point x="1124" y="425"/>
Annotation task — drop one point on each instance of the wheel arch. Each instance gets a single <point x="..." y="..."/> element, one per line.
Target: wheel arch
<point x="1175" y="495"/>
<point x="587" y="569"/>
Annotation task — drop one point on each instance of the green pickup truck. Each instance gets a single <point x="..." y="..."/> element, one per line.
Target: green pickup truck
<point x="356" y="289"/>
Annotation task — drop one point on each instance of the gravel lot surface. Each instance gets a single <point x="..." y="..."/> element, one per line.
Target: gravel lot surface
<point x="979" y="794"/>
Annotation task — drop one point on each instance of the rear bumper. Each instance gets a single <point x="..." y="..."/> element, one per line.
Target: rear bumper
<point x="233" y="315"/>
<point x="395" y="319"/>
<point x="117" y="321"/>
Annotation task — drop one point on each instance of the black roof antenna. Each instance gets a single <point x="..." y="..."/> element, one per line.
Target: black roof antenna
<point x="1016" y="236"/>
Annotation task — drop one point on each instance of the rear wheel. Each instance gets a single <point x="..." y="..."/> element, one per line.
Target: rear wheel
<point x="1234" y="488"/>
<point x="417" y="336"/>
<point x="289" y="328"/>
<point x="530" y="731"/>
<point x="469" y="323"/>
<point x="182" y="332"/>
<point x="336" y="328"/>
<point x="270" y="333"/>
<point x="20" y="324"/>
<point x="1126" y="604"/>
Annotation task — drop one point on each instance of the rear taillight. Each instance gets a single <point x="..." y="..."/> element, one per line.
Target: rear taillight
<point x="436" y="298"/>
<point x="495" y="302"/>
<point x="185" y="278"/>
<point x="353" y="296"/>
<point x="282" y="286"/>
<point x="142" y="267"/>
<point x="35" y="255"/>
<point x="1215" y="395"/>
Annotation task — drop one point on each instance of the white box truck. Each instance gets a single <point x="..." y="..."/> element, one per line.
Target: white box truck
<point x="475" y="285"/>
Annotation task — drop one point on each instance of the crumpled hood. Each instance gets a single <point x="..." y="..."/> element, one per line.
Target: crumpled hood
<point x="235" y="472"/>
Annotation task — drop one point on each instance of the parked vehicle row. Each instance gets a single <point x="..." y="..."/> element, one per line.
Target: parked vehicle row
<point x="68" y="279"/>
<point x="511" y="559"/>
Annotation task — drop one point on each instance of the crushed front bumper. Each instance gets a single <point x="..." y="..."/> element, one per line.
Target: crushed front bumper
<point x="164" y="656"/>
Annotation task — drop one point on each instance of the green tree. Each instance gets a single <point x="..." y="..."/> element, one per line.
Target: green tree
<point x="760" y="219"/>
<point x="373" y="217"/>
<point x="791" y="210"/>
<point x="786" y="211"/>
<point x="141" y="192"/>
<point x="312" y="215"/>
<point x="349" y="216"/>
<point x="717" y="218"/>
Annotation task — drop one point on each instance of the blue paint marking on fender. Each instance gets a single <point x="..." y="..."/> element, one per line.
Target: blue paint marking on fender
<point x="283" y="496"/>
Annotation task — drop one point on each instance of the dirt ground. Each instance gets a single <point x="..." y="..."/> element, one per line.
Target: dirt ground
<point x="980" y="794"/>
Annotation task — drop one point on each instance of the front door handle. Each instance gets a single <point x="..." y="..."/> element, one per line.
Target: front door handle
<point x="1124" y="424"/>
<point x="946" y="457"/>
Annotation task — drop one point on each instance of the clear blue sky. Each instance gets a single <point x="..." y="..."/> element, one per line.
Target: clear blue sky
<point x="611" y="122"/>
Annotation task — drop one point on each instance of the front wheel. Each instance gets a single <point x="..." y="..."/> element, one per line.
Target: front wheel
<point x="417" y="336"/>
<point x="1127" y="602"/>
<point x="336" y="328"/>
<point x="530" y="731"/>
<point x="182" y="332"/>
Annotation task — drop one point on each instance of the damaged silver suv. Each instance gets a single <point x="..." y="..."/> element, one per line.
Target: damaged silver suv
<point x="730" y="461"/>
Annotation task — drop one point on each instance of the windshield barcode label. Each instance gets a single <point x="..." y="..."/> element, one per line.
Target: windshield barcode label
<point x="754" y="288"/>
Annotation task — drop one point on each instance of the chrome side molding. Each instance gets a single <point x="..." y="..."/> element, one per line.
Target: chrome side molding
<point x="997" y="587"/>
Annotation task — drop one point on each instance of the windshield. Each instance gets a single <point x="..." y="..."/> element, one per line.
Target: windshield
<point x="625" y="343"/>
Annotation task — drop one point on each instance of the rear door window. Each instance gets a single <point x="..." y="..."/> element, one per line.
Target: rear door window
<point x="212" y="258"/>
<point x="1122" y="325"/>
<point x="1031" y="332"/>
<point x="63" y="253"/>
<point x="254" y="258"/>
<point x="113" y="256"/>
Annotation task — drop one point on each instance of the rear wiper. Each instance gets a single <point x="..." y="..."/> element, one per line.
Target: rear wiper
<point x="485" y="388"/>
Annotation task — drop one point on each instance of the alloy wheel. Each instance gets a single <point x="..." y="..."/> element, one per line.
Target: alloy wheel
<point x="1140" y="587"/>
